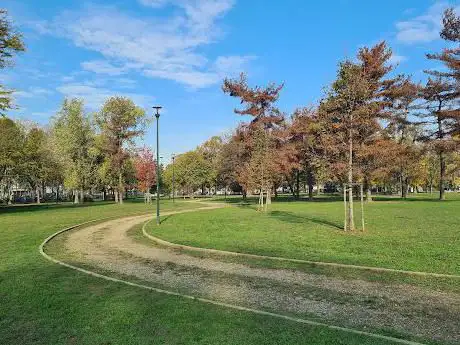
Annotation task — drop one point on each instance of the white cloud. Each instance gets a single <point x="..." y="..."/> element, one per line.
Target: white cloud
<point x="424" y="28"/>
<point x="103" y="67"/>
<point x="95" y="96"/>
<point x="397" y="59"/>
<point x="159" y="47"/>
<point x="32" y="92"/>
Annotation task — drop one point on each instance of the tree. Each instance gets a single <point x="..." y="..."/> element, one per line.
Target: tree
<point x="352" y="110"/>
<point x="191" y="172"/>
<point x="440" y="96"/>
<point x="120" y="122"/>
<point x="259" y="103"/>
<point x="145" y="168"/>
<point x="442" y="93"/>
<point x="11" y="145"/>
<point x="211" y="151"/>
<point x="35" y="159"/>
<point x="73" y="139"/>
<point x="10" y="44"/>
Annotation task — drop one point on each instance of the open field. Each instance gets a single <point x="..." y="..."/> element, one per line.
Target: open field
<point x="43" y="303"/>
<point x="416" y="235"/>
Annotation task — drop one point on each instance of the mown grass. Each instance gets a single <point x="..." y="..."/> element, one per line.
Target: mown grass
<point x="419" y="234"/>
<point x="43" y="303"/>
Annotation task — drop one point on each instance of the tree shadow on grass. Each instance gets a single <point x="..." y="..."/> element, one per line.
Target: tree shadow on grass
<point x="296" y="219"/>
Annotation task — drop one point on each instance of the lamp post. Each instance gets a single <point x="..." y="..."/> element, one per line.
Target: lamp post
<point x="157" y="115"/>
<point x="173" y="178"/>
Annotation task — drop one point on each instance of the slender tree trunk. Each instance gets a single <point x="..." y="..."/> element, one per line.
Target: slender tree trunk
<point x="82" y="196"/>
<point x="120" y="188"/>
<point x="368" y="190"/>
<point x="75" y="194"/>
<point x="37" y="194"/>
<point x="310" y="184"/>
<point x="442" y="172"/>
<point x="297" y="184"/>
<point x="351" y="221"/>
<point x="115" y="195"/>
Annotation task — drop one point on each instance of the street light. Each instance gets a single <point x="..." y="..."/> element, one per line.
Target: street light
<point x="157" y="115"/>
<point x="173" y="177"/>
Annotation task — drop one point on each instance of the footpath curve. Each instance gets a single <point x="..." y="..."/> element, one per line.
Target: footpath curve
<point x="102" y="242"/>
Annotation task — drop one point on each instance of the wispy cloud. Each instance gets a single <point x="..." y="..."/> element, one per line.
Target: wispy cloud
<point x="160" y="47"/>
<point x="94" y="96"/>
<point x="423" y="28"/>
<point x="33" y="92"/>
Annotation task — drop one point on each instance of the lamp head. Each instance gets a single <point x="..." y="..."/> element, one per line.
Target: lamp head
<point x="157" y="108"/>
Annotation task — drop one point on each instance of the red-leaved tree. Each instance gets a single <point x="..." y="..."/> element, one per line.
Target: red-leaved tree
<point x="145" y="166"/>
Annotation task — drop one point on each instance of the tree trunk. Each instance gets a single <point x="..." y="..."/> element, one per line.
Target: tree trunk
<point x="115" y="195"/>
<point x="351" y="221"/>
<point x="367" y="188"/>
<point x="82" y="196"/>
<point x="120" y="188"/>
<point x="37" y="194"/>
<point x="442" y="173"/>
<point x="297" y="184"/>
<point x="75" y="194"/>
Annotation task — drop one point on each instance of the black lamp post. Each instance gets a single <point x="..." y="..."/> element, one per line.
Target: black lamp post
<point x="157" y="115"/>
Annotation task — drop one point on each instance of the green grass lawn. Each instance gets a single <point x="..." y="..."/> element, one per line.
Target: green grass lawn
<point x="44" y="303"/>
<point x="419" y="234"/>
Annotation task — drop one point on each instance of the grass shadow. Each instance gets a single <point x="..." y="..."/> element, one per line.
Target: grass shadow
<point x="296" y="219"/>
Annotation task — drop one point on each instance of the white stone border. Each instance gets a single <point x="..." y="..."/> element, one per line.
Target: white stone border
<point x="205" y="300"/>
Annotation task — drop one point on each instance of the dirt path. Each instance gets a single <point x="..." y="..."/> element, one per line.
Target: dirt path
<point x="351" y="303"/>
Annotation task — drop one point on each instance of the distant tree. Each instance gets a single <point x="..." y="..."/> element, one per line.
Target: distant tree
<point x="120" y="121"/>
<point x="10" y="44"/>
<point x="145" y="168"/>
<point x="211" y="151"/>
<point x="191" y="172"/>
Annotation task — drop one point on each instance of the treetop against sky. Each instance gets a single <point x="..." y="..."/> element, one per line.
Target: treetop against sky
<point x="177" y="52"/>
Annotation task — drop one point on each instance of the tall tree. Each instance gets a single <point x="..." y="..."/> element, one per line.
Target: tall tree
<point x="74" y="137"/>
<point x="35" y="159"/>
<point x="120" y="122"/>
<point x="442" y="92"/>
<point x="11" y="146"/>
<point x="353" y="107"/>
<point x="11" y="43"/>
<point x="259" y="103"/>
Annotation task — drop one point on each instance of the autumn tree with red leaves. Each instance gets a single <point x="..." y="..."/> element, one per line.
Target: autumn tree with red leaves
<point x="145" y="168"/>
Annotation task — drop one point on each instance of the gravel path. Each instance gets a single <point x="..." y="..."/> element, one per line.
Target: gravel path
<point x="351" y="303"/>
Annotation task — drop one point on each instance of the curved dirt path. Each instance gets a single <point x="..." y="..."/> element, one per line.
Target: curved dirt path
<point x="350" y="303"/>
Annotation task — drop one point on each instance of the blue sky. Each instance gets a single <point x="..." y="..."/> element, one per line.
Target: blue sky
<point x="176" y="52"/>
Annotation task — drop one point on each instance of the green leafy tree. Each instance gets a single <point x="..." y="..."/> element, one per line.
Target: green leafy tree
<point x="73" y="139"/>
<point x="10" y="44"/>
<point x="120" y="122"/>
<point x="11" y="145"/>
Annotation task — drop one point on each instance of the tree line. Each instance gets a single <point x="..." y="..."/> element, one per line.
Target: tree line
<point x="374" y="126"/>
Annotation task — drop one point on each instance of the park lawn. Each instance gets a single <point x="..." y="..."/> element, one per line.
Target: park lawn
<point x="416" y="235"/>
<point x="44" y="303"/>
